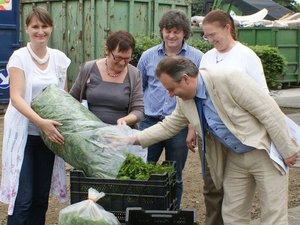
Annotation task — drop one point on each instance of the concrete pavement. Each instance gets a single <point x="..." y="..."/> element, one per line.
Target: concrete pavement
<point x="287" y="97"/>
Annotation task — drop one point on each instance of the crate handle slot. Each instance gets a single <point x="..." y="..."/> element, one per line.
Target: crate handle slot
<point x="161" y="215"/>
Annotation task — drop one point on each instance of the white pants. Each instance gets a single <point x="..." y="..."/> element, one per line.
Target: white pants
<point x="243" y="174"/>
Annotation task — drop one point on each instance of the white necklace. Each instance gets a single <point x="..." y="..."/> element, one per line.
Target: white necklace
<point x="220" y="57"/>
<point x="36" y="58"/>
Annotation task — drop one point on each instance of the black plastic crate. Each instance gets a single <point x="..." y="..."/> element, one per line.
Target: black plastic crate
<point x="139" y="216"/>
<point x="156" y="193"/>
<point x="121" y="215"/>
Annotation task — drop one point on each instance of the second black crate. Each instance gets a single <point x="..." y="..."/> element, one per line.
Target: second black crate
<point x="139" y="216"/>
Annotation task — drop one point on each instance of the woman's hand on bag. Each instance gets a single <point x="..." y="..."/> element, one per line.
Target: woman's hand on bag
<point x="121" y="121"/>
<point x="49" y="128"/>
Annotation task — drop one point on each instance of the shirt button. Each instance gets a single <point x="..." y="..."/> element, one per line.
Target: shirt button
<point x="234" y="147"/>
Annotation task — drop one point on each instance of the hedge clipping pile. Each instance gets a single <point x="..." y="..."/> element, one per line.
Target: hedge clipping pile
<point x="90" y="145"/>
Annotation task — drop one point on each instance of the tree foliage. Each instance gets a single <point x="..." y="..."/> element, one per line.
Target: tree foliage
<point x="290" y="4"/>
<point x="197" y="6"/>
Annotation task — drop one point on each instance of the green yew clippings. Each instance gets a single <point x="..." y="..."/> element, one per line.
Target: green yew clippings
<point x="89" y="144"/>
<point x="71" y="218"/>
<point x="135" y="168"/>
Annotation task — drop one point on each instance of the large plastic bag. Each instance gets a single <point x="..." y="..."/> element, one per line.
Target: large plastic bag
<point x="90" y="145"/>
<point x="87" y="212"/>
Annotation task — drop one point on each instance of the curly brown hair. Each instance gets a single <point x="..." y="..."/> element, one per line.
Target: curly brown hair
<point x="175" y="18"/>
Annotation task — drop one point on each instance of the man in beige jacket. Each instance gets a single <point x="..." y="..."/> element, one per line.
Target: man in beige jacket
<point x="240" y="122"/>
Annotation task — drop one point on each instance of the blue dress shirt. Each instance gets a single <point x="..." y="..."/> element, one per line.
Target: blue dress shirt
<point x="214" y="123"/>
<point x="157" y="101"/>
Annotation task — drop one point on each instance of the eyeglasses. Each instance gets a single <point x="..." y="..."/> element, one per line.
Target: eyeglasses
<point x="205" y="37"/>
<point x="212" y="35"/>
<point x="119" y="58"/>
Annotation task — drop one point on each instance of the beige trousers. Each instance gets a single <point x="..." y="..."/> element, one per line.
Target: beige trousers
<point x="245" y="173"/>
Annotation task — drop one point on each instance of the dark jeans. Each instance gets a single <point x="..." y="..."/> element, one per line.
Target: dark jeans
<point x="213" y="197"/>
<point x="175" y="150"/>
<point x="34" y="184"/>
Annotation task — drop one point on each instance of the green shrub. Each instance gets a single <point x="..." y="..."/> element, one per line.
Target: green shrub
<point x="273" y="62"/>
<point x="142" y="43"/>
<point x="200" y="44"/>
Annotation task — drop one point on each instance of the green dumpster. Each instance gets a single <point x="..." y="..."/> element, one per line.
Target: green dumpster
<point x="82" y="26"/>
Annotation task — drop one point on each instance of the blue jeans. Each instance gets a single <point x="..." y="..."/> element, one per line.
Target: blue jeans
<point x="34" y="184"/>
<point x="175" y="150"/>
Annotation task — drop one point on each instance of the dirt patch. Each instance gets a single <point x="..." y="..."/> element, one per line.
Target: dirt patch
<point x="192" y="195"/>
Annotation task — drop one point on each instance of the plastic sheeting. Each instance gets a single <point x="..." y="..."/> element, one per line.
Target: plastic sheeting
<point x="90" y="145"/>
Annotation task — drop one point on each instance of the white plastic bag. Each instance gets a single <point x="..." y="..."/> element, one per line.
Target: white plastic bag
<point x="87" y="212"/>
<point x="120" y="138"/>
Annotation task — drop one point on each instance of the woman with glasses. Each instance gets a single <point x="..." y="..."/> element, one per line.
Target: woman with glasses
<point x="219" y="30"/>
<point x="111" y="86"/>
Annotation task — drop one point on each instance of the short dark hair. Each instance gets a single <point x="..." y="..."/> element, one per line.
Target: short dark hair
<point x="41" y="14"/>
<point x="176" y="67"/>
<point x="121" y="39"/>
<point x="222" y="18"/>
<point x="175" y="18"/>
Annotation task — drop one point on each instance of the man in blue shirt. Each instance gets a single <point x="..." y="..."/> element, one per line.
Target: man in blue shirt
<point x="174" y="30"/>
<point x="238" y="123"/>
